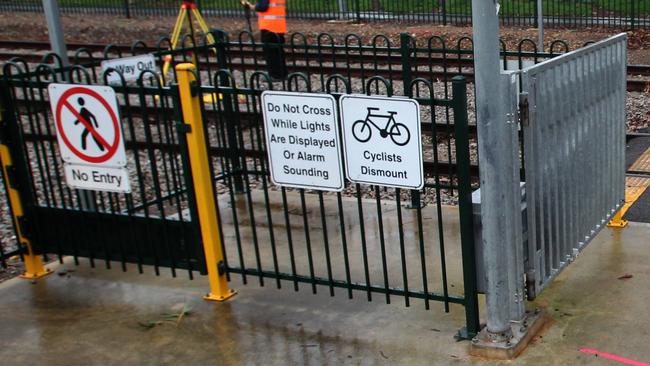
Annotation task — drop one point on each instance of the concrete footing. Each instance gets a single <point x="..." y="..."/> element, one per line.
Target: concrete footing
<point x="483" y="345"/>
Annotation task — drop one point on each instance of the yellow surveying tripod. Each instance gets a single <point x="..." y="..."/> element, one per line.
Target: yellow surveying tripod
<point x="189" y="10"/>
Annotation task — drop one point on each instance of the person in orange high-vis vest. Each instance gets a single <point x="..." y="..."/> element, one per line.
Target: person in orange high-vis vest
<point x="272" y="21"/>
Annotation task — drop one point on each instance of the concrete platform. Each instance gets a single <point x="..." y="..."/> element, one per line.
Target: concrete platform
<point x="94" y="316"/>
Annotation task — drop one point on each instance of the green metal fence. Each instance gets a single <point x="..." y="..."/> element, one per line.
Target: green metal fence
<point x="605" y="13"/>
<point x="153" y="225"/>
<point x="363" y="240"/>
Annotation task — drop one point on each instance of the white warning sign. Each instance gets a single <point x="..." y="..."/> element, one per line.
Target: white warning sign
<point x="130" y="67"/>
<point x="90" y="137"/>
<point x="381" y="140"/>
<point x="302" y="140"/>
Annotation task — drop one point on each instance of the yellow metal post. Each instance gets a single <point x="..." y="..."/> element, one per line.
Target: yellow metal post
<point x="34" y="267"/>
<point x="202" y="179"/>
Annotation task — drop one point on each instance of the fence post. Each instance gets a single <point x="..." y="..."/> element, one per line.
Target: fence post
<point x="444" y="12"/>
<point x="356" y="3"/>
<point x="459" y="90"/>
<point x="234" y="155"/>
<point x="632" y="14"/>
<point x="34" y="268"/>
<point x="127" y="10"/>
<point x="405" y="51"/>
<point x="202" y="182"/>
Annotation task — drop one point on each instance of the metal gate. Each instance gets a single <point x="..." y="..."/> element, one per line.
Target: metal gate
<point x="153" y="225"/>
<point x="577" y="183"/>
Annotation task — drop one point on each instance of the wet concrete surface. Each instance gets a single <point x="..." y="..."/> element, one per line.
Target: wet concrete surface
<point x="97" y="317"/>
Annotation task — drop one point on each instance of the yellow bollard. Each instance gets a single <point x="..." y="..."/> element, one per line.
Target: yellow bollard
<point x="34" y="268"/>
<point x="202" y="179"/>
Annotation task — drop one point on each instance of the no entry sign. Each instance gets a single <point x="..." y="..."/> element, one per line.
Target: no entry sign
<point x="90" y="136"/>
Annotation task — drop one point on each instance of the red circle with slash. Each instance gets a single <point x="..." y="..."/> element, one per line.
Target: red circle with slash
<point x="110" y="148"/>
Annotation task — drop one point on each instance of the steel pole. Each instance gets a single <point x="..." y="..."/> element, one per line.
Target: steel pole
<point x="495" y="162"/>
<point x="54" y="29"/>
<point x="343" y="7"/>
<point x="57" y="42"/>
<point x="540" y="26"/>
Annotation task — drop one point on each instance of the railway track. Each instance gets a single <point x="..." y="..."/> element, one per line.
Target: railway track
<point x="326" y="62"/>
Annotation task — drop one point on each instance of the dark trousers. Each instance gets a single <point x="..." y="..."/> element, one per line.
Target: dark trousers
<point x="274" y="54"/>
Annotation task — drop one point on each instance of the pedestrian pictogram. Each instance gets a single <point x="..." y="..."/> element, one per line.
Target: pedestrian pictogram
<point x="398" y="132"/>
<point x="381" y="140"/>
<point x="90" y="136"/>
<point x="90" y="126"/>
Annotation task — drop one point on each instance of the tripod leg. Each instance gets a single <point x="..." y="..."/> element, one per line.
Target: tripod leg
<point x="178" y="27"/>
<point x="190" y="26"/>
<point x="203" y="25"/>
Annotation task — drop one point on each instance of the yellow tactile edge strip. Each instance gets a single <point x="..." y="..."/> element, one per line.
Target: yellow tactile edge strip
<point x="634" y="188"/>
<point x="642" y="164"/>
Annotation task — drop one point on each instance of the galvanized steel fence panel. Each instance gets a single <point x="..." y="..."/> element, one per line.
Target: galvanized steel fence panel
<point x="574" y="139"/>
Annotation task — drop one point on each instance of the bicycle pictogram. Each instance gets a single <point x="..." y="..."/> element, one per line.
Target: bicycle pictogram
<point x="398" y="132"/>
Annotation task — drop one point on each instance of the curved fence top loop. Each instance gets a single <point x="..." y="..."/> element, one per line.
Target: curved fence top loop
<point x="415" y="87"/>
<point x="224" y="78"/>
<point x="561" y="43"/>
<point x="332" y="84"/>
<point x="187" y="41"/>
<point x="110" y="71"/>
<point x="378" y="39"/>
<point x="433" y="39"/>
<point x="164" y="44"/>
<point x="46" y="74"/>
<point x="293" y="82"/>
<point x="527" y="42"/>
<point x="322" y="37"/>
<point x="257" y="78"/>
<point x="353" y="37"/>
<point x="298" y="36"/>
<point x="14" y="63"/>
<point x="78" y="74"/>
<point x="139" y="45"/>
<point x="111" y="48"/>
<point x="246" y="36"/>
<point x="462" y="40"/>
<point x="378" y="81"/>
<point x="154" y="79"/>
<point x="54" y="57"/>
<point x="77" y="56"/>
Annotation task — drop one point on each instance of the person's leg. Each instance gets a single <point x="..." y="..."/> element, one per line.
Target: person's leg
<point x="274" y="54"/>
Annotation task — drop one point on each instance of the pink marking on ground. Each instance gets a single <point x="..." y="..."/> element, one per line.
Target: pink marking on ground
<point x="610" y="356"/>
